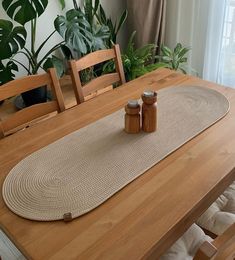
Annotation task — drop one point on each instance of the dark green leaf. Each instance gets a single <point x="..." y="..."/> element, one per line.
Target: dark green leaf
<point x="100" y="34"/>
<point x="166" y="51"/>
<point x="88" y="8"/>
<point x="103" y="15"/>
<point x="67" y="52"/>
<point x="177" y="48"/>
<point x="96" y="7"/>
<point x="122" y="20"/>
<point x="146" y="52"/>
<point x="11" y="39"/>
<point x="75" y="30"/>
<point x="183" y="52"/>
<point x="185" y="59"/>
<point x="6" y="72"/>
<point x="23" y="11"/>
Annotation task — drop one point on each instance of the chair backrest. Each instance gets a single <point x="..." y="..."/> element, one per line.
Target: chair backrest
<point x="22" y="118"/>
<point x="101" y="82"/>
<point x="223" y="247"/>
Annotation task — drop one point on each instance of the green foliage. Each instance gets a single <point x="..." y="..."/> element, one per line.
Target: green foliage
<point x="12" y="39"/>
<point x="23" y="11"/>
<point x="80" y="31"/>
<point x="81" y="38"/>
<point x="6" y="72"/>
<point x="99" y="31"/>
<point x="174" y="59"/>
<point x="136" y="62"/>
<point x="115" y="27"/>
<point x="75" y="30"/>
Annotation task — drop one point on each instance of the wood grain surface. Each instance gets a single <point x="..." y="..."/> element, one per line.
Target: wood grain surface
<point x="146" y="217"/>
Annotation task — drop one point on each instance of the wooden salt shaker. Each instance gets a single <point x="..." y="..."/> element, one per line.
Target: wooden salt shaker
<point x="132" y="117"/>
<point x="149" y="111"/>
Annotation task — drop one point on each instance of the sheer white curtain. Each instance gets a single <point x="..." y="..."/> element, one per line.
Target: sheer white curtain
<point x="219" y="63"/>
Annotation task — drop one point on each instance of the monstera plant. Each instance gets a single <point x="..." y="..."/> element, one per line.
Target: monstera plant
<point x="13" y="42"/>
<point x="81" y="30"/>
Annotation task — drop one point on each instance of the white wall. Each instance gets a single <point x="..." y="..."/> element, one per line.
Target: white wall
<point x="115" y="8"/>
<point x="187" y="23"/>
<point x="45" y="23"/>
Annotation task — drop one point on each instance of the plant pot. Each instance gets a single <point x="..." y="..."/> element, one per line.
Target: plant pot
<point x="35" y="96"/>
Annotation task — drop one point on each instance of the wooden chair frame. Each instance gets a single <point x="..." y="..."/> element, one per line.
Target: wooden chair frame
<point x="22" y="118"/>
<point x="101" y="82"/>
<point x="223" y="247"/>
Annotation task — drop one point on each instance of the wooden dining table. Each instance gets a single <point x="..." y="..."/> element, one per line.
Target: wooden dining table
<point x="147" y="216"/>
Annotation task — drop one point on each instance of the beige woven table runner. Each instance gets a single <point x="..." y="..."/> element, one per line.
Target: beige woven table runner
<point x="82" y="170"/>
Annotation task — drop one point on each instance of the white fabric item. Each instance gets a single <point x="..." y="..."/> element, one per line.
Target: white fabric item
<point x="214" y="40"/>
<point x="186" y="247"/>
<point x="219" y="54"/>
<point x="221" y="214"/>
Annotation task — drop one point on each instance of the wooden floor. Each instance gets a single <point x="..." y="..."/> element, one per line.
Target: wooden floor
<point x="8" y="107"/>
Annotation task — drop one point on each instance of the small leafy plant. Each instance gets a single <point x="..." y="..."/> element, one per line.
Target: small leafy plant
<point x="174" y="59"/>
<point x="136" y="62"/>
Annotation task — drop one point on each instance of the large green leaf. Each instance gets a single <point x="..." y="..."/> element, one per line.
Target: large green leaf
<point x="23" y="11"/>
<point x="6" y="72"/>
<point x="75" y="30"/>
<point x="100" y="34"/>
<point x="12" y="39"/>
<point x="122" y="20"/>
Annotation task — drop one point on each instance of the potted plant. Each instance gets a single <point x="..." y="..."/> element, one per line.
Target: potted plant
<point x="13" y="40"/>
<point x="136" y="61"/>
<point x="87" y="29"/>
<point x="174" y="59"/>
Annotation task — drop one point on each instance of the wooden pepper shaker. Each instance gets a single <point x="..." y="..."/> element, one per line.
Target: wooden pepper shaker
<point x="149" y="111"/>
<point x="132" y="117"/>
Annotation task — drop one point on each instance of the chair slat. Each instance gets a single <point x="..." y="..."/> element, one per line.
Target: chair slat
<point x="24" y="117"/>
<point x="95" y="58"/>
<point x="222" y="246"/>
<point x="101" y="82"/>
<point x="55" y="87"/>
<point x="118" y="63"/>
<point x="98" y="92"/>
<point x="28" y="114"/>
<point x="24" y="84"/>
<point x="206" y="251"/>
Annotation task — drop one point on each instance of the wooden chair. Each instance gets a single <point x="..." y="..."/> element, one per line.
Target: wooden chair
<point x="221" y="214"/>
<point x="24" y="117"/>
<point x="102" y="83"/>
<point x="195" y="245"/>
<point x="223" y="247"/>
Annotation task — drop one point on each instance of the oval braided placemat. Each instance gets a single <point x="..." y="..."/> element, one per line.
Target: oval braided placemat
<point x="82" y="170"/>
